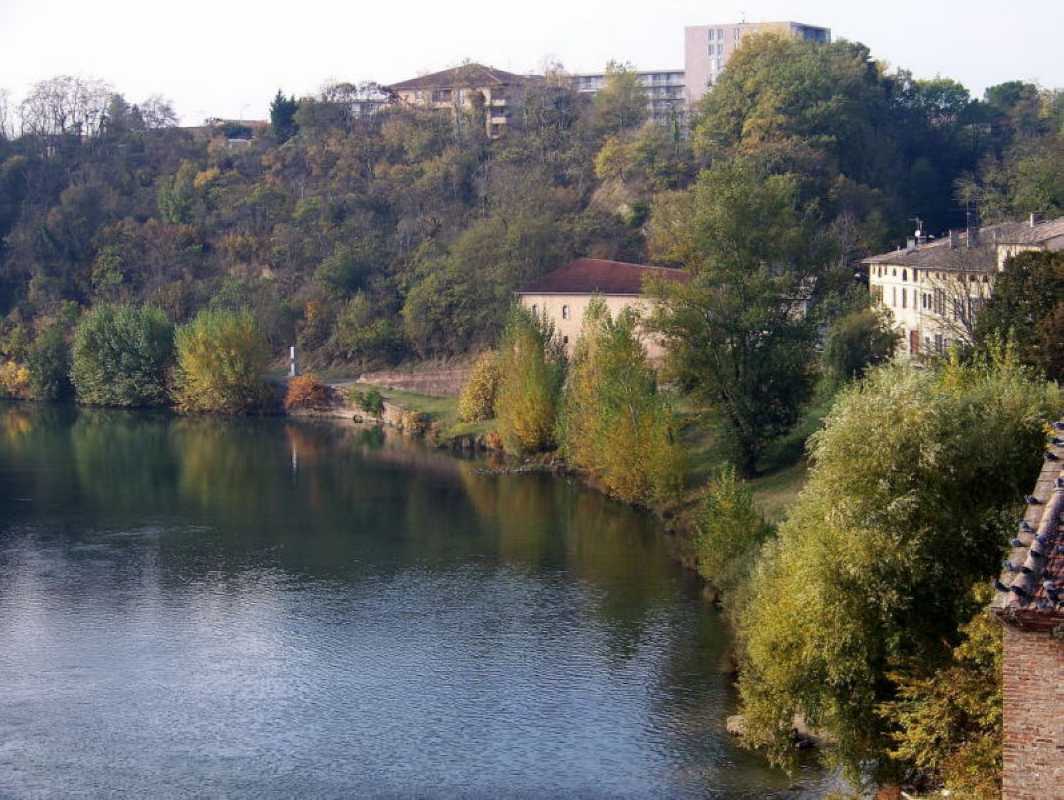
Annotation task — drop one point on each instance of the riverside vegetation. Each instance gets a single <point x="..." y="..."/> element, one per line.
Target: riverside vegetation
<point x="131" y="248"/>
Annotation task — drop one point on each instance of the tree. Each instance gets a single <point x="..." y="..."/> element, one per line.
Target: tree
<point x="621" y="103"/>
<point x="48" y="362"/>
<point x="904" y="509"/>
<point x="121" y="355"/>
<point x="221" y="363"/>
<point x="477" y="399"/>
<point x="283" y="117"/>
<point x="531" y="372"/>
<point x="614" y="423"/>
<point x="1023" y="308"/>
<point x="736" y="336"/>
<point x="65" y="105"/>
<point x="857" y="341"/>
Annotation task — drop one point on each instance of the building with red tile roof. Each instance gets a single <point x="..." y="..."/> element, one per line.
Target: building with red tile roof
<point x="564" y="294"/>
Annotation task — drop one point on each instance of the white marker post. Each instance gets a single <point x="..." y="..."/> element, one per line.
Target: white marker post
<point x="293" y="368"/>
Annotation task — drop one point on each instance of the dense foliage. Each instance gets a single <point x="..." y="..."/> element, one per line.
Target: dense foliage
<point x="372" y="238"/>
<point x="857" y="341"/>
<point x="614" y="422"/>
<point x="221" y="363"/>
<point x="1027" y="307"/>
<point x="910" y="500"/>
<point x="121" y="355"/>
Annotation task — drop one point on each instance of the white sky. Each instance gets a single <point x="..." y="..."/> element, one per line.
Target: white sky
<point x="228" y="57"/>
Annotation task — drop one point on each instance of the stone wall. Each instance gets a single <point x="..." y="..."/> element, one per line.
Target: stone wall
<point x="444" y="381"/>
<point x="1034" y="715"/>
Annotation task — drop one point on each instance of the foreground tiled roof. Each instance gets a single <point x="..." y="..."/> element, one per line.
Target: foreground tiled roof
<point x="981" y="256"/>
<point x="1031" y="587"/>
<point x="599" y="276"/>
<point x="476" y="75"/>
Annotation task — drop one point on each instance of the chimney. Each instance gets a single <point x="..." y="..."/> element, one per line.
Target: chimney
<point x="954" y="240"/>
<point x="1036" y="218"/>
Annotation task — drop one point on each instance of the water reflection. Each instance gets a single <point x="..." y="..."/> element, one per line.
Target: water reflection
<point x="196" y="606"/>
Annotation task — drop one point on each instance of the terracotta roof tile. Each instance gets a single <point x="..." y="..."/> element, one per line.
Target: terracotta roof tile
<point x="599" y="276"/>
<point x="476" y="75"/>
<point x="1033" y="573"/>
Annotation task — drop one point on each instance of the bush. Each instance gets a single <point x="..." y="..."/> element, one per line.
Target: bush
<point x="221" y="363"/>
<point x="121" y="356"/>
<point x="14" y="380"/>
<point x="531" y="371"/>
<point x="49" y="365"/>
<point x="614" y="422"/>
<point x="370" y="401"/>
<point x="306" y="391"/>
<point x="477" y="400"/>
<point x="911" y="495"/>
<point x="857" y="341"/>
<point x="729" y="532"/>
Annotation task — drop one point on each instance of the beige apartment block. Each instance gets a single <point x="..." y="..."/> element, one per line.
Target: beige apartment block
<point x="707" y="48"/>
<point x="466" y="87"/>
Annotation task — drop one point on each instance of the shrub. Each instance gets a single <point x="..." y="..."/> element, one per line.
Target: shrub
<point x="14" y="380"/>
<point x="477" y="400"/>
<point x="614" y="422"/>
<point x="531" y="370"/>
<point x="49" y="365"/>
<point x="121" y="355"/>
<point x="370" y="401"/>
<point x="857" y="341"/>
<point x="306" y="391"/>
<point x="221" y="363"/>
<point x="729" y="532"/>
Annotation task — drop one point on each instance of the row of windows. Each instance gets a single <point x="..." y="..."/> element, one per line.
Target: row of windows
<point x="566" y="313"/>
<point x="972" y="277"/>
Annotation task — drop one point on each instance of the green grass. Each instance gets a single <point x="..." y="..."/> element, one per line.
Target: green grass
<point x="442" y="410"/>
<point x="782" y="469"/>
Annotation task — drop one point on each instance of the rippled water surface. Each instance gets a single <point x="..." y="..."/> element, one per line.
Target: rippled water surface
<point x="262" y="608"/>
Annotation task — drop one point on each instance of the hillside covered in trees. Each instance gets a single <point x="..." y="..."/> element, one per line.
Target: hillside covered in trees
<point x="370" y="240"/>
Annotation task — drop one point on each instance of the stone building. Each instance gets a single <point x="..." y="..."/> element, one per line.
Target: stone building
<point x="564" y="294"/>
<point x="464" y="88"/>
<point x="935" y="288"/>
<point x="1030" y="603"/>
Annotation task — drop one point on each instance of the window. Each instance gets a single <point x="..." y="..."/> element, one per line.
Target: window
<point x="894" y="295"/>
<point x="904" y="296"/>
<point x="535" y="308"/>
<point x="565" y="312"/>
<point x="565" y="340"/>
<point x="905" y="274"/>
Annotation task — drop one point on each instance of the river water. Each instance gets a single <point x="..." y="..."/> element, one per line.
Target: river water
<point x="268" y="608"/>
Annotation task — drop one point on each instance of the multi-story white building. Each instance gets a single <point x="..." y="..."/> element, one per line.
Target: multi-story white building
<point x="708" y="48"/>
<point x="934" y="289"/>
<point x="665" y="91"/>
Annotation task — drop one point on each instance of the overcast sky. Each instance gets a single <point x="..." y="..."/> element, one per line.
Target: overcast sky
<point x="227" y="57"/>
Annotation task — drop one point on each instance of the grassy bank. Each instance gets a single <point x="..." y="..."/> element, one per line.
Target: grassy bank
<point x="783" y="467"/>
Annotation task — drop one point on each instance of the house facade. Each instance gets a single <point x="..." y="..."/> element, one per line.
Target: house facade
<point x="935" y="288"/>
<point x="1030" y="603"/>
<point x="564" y="294"/>
<point x="464" y="88"/>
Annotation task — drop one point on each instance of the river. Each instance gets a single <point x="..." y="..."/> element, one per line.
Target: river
<point x="199" y="607"/>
